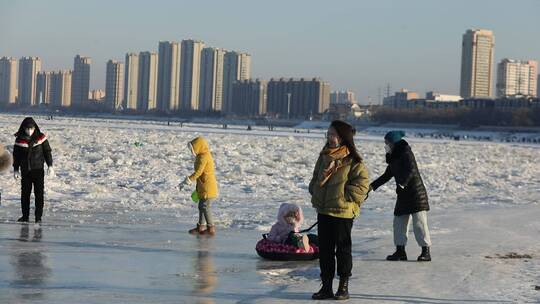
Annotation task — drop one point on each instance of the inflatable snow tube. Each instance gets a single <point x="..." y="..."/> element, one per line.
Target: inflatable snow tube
<point x="280" y="252"/>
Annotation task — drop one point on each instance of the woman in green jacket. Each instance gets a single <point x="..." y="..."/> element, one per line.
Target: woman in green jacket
<point x="339" y="186"/>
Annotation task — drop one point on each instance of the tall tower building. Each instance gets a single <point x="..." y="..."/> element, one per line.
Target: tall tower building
<point x="80" y="81"/>
<point x="168" y="76"/>
<point x="60" y="95"/>
<point x="190" y="67"/>
<point x="236" y="66"/>
<point x="211" y="85"/>
<point x="43" y="87"/>
<point x="8" y="80"/>
<point x="517" y="78"/>
<point x="114" y="84"/>
<point x="147" y="83"/>
<point x="131" y="80"/>
<point x="477" y="64"/>
<point x="29" y="67"/>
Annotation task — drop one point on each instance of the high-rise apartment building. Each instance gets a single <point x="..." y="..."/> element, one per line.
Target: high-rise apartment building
<point x="29" y="67"/>
<point x="131" y="79"/>
<point x="80" y="80"/>
<point x="211" y="84"/>
<point x="477" y="63"/>
<point x="517" y="78"/>
<point x="114" y="84"/>
<point x="168" y="76"/>
<point x="236" y="66"/>
<point x="147" y="83"/>
<point x="8" y="80"/>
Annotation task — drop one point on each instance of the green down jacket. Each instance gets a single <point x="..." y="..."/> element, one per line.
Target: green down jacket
<point x="343" y="193"/>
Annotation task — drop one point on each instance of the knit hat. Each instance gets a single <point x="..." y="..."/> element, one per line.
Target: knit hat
<point x="394" y="136"/>
<point x="345" y="131"/>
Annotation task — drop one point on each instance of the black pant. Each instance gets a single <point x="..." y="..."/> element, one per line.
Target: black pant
<point x="37" y="179"/>
<point x="334" y="242"/>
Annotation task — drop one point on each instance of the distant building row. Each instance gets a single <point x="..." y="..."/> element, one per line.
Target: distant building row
<point x="182" y="76"/>
<point x="282" y="98"/>
<point x="23" y="83"/>
<point x="405" y="99"/>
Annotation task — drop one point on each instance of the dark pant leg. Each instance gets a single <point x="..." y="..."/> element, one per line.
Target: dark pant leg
<point x="344" y="247"/>
<point x="39" y="187"/>
<point x="26" y="190"/>
<point x="327" y="246"/>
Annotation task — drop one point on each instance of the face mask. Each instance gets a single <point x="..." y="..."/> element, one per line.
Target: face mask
<point x="387" y="149"/>
<point x="29" y="131"/>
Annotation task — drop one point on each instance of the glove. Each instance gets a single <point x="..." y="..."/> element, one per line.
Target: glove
<point x="16" y="174"/>
<point x="186" y="182"/>
<point x="370" y="188"/>
<point x="50" y="172"/>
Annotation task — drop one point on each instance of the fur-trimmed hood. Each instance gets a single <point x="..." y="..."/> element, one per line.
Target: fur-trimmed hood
<point x="290" y="218"/>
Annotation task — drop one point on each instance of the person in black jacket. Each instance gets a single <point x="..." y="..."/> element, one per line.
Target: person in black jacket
<point x="412" y="199"/>
<point x="30" y="151"/>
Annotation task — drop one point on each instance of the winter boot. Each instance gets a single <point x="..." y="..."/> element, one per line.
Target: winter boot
<point x="343" y="289"/>
<point x="399" y="255"/>
<point x="211" y="230"/>
<point x="23" y="219"/>
<point x="425" y="256"/>
<point x="200" y="229"/>
<point x="326" y="291"/>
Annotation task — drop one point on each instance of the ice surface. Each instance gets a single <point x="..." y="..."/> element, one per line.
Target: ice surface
<point x="114" y="225"/>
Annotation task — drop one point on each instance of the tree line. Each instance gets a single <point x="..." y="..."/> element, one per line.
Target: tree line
<point x="466" y="117"/>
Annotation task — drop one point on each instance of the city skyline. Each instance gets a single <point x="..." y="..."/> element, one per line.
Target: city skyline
<point x="300" y="45"/>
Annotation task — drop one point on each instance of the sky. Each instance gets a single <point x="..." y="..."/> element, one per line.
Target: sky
<point x="359" y="45"/>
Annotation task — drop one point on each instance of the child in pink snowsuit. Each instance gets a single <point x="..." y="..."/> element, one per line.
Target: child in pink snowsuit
<point x="289" y="219"/>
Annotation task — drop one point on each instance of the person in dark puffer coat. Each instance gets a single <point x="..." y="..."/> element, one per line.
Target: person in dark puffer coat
<point x="412" y="198"/>
<point x="30" y="152"/>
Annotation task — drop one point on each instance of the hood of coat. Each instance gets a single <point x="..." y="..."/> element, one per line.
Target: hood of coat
<point x="289" y="220"/>
<point x="199" y="146"/>
<point x="290" y="214"/>
<point x="399" y="148"/>
<point x="28" y="122"/>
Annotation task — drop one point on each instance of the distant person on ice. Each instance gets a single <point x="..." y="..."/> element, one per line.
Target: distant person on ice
<point x="338" y="187"/>
<point x="412" y="199"/>
<point x="5" y="159"/>
<point x="286" y="229"/>
<point x="30" y="152"/>
<point x="207" y="187"/>
<point x="5" y="163"/>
